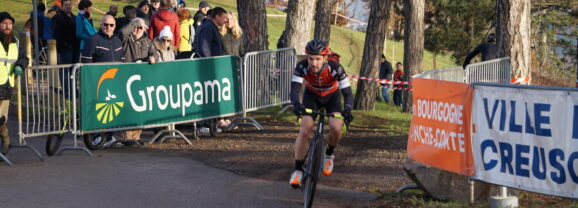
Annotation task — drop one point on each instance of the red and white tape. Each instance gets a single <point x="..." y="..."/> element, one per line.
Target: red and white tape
<point x="382" y="81"/>
<point x="521" y="80"/>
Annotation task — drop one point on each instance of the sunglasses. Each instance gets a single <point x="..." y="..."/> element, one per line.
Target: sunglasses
<point x="108" y="25"/>
<point x="139" y="28"/>
<point x="165" y="40"/>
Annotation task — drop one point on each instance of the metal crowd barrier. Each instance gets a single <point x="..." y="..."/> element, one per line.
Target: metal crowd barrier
<point x="496" y="70"/>
<point x="454" y="74"/>
<point x="266" y="82"/>
<point x="43" y="103"/>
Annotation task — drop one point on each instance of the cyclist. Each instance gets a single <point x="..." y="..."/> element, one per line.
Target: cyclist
<point x="325" y="82"/>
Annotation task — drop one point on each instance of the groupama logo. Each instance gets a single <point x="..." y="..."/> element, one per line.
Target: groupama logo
<point x="107" y="110"/>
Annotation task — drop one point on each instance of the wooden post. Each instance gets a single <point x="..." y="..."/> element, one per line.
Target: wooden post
<point x="53" y="80"/>
<point x="29" y="55"/>
<point x="335" y="19"/>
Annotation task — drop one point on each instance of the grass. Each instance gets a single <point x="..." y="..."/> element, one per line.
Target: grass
<point x="348" y="43"/>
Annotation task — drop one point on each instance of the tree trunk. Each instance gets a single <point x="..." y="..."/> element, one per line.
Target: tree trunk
<point x="372" y="50"/>
<point x="253" y="20"/>
<point x="513" y="34"/>
<point x="323" y="20"/>
<point x="298" y="25"/>
<point x="413" y="44"/>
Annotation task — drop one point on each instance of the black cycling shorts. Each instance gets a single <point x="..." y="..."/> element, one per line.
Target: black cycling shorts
<point x="331" y="103"/>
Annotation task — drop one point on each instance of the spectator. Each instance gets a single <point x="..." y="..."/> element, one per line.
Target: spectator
<point x="41" y="8"/>
<point x="489" y="50"/>
<point x="104" y="46"/>
<point x="67" y="44"/>
<point x="137" y="47"/>
<point x="385" y="72"/>
<point x="165" y="50"/>
<point x="232" y="36"/>
<point x="398" y="76"/>
<point x="208" y="39"/>
<point x="164" y="17"/>
<point x="201" y="15"/>
<point x="154" y="6"/>
<point x="84" y="28"/>
<point x="182" y="4"/>
<point x="187" y="34"/>
<point x="47" y="33"/>
<point x="174" y="5"/>
<point x="129" y="14"/>
<point x="144" y="12"/>
<point x="113" y="11"/>
<point x="16" y="61"/>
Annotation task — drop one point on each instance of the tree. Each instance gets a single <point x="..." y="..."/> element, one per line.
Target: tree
<point x="413" y="44"/>
<point x="253" y="20"/>
<point x="298" y="24"/>
<point x="513" y="34"/>
<point x="372" y="50"/>
<point x="323" y="20"/>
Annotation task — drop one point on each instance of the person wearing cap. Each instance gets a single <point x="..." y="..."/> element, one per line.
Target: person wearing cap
<point x="201" y="15"/>
<point x="13" y="61"/>
<point x="137" y="47"/>
<point x="154" y="6"/>
<point x="165" y="50"/>
<point x="165" y="17"/>
<point x="208" y="40"/>
<point x="104" y="46"/>
<point x="489" y="50"/>
<point x="135" y="43"/>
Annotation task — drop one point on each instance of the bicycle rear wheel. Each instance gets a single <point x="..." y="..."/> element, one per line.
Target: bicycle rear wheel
<point x="313" y="171"/>
<point x="53" y="143"/>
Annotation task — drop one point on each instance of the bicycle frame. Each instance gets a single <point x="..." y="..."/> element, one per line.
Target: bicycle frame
<point x="315" y="157"/>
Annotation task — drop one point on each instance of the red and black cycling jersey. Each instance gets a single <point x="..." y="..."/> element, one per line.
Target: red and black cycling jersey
<point x="331" y="77"/>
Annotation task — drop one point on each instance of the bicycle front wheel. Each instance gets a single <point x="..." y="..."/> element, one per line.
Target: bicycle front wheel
<point x="313" y="172"/>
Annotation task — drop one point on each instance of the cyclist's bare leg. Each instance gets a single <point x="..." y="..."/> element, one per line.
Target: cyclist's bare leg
<point x="335" y="126"/>
<point x="302" y="140"/>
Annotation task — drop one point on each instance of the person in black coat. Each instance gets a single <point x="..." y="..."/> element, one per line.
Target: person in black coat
<point x="201" y="15"/>
<point x="489" y="50"/>
<point x="104" y="46"/>
<point x="208" y="39"/>
<point x="385" y="72"/>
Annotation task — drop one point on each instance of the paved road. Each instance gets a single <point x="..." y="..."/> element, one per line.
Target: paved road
<point x="143" y="178"/>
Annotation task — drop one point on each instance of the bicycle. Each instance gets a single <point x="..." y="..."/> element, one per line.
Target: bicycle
<point x="315" y="156"/>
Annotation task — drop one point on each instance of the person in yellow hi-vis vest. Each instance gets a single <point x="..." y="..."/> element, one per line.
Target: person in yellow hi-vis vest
<point x="12" y="61"/>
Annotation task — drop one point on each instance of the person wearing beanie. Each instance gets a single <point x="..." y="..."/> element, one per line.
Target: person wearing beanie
<point x="14" y="61"/>
<point x="144" y="12"/>
<point x="201" y="15"/>
<point x="165" y="50"/>
<point x="165" y="17"/>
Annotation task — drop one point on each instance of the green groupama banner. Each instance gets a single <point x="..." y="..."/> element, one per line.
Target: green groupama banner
<point x="137" y="94"/>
